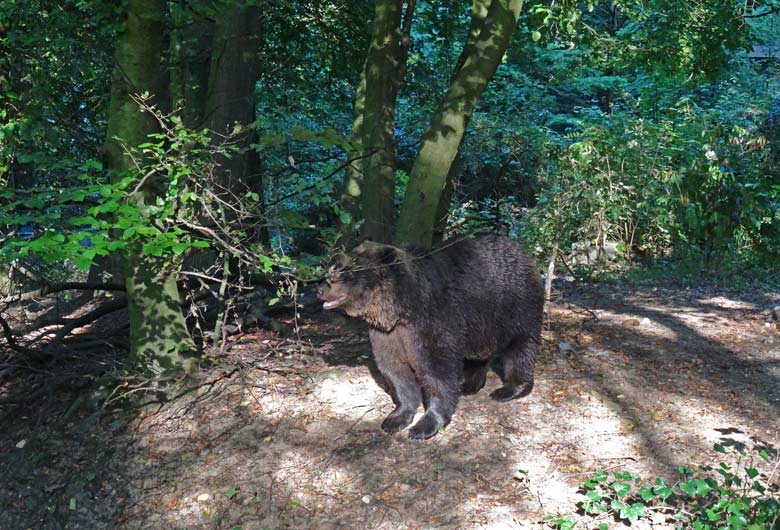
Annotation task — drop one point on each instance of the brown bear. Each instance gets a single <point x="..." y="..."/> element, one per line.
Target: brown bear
<point x="437" y="317"/>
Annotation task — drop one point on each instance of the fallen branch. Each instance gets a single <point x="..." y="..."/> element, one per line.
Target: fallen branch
<point x="48" y="289"/>
<point x="98" y="312"/>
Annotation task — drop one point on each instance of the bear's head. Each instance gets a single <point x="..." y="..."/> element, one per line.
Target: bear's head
<point x="364" y="284"/>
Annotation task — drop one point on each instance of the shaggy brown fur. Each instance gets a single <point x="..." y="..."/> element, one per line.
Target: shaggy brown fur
<point x="437" y="318"/>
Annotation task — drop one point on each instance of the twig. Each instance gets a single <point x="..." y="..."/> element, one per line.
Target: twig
<point x="550" y="273"/>
<point x="9" y="336"/>
<point x="323" y="179"/>
<point x="568" y="475"/>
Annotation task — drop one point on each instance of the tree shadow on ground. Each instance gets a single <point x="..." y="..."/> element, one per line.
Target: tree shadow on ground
<point x="61" y="463"/>
<point x="671" y="365"/>
<point x="719" y="364"/>
<point x="290" y="438"/>
<point x="289" y="467"/>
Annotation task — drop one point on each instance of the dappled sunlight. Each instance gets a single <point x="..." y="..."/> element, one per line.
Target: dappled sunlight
<point x="350" y="394"/>
<point x="295" y="441"/>
<point x="725" y="302"/>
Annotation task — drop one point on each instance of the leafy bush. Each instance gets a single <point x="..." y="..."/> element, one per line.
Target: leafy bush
<point x="725" y="497"/>
<point x="188" y="209"/>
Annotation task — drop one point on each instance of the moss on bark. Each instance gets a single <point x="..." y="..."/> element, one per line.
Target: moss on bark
<point x="159" y="338"/>
<point x="428" y="178"/>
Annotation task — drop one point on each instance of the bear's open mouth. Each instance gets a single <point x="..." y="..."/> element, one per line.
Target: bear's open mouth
<point x="330" y="304"/>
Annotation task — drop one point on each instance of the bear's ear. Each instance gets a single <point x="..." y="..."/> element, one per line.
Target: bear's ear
<point x="338" y="262"/>
<point x="389" y="255"/>
<point x="379" y="253"/>
<point x="367" y="248"/>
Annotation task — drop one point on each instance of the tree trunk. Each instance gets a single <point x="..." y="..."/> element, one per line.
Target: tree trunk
<point x="428" y="179"/>
<point x="372" y="181"/>
<point x="136" y="71"/>
<point x="231" y="106"/>
<point x="353" y="181"/>
<point x="190" y="59"/>
<point x="159" y="339"/>
<point x="231" y="95"/>
<point x="479" y="10"/>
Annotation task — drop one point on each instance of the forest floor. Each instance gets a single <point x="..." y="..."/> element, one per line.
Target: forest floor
<point x="283" y="432"/>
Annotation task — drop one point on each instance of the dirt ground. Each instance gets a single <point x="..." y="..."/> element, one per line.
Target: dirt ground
<point x="284" y="432"/>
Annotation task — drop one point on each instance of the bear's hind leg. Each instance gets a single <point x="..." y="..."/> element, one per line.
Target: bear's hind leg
<point x="474" y="376"/>
<point x="518" y="360"/>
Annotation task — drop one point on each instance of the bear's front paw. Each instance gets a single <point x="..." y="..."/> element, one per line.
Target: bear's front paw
<point x="426" y="428"/>
<point x="397" y="420"/>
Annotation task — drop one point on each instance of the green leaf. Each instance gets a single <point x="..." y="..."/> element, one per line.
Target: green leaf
<point x="535" y="35"/>
<point x="662" y="489"/>
<point x="565" y="523"/>
<point x="153" y="249"/>
<point x="178" y="248"/>
<point x="85" y="220"/>
<point x="72" y="504"/>
<point x="751" y="472"/>
<point x="645" y="493"/>
<point x="633" y="512"/>
<point x="736" y="522"/>
<point x="757" y="486"/>
<point x="617" y="505"/>
<point x="696" y="488"/>
<point x="232" y="492"/>
<point x="81" y="262"/>
<point x="345" y="218"/>
<point x="621" y="488"/>
<point x="594" y="495"/>
<point x="719" y="448"/>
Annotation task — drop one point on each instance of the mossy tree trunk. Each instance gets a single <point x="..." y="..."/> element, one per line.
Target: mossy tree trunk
<point x="159" y="339"/>
<point x="479" y="11"/>
<point x="421" y="211"/>
<point x="353" y="180"/>
<point x="371" y="181"/>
